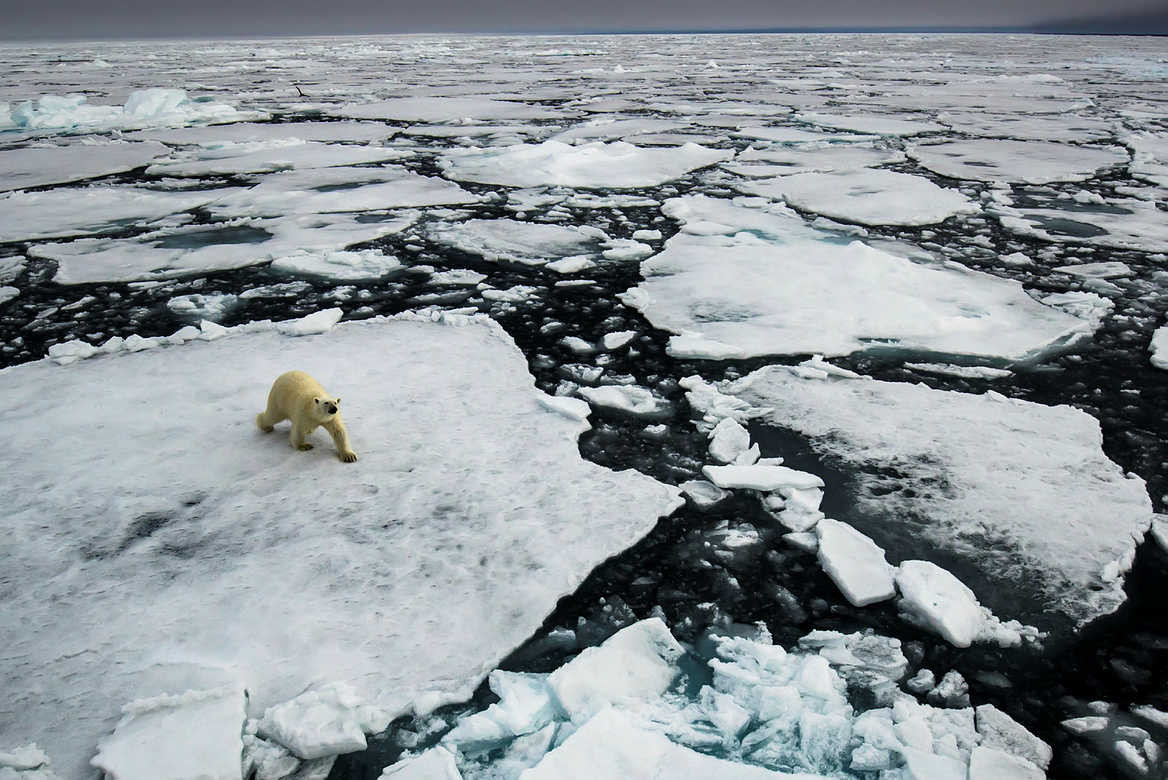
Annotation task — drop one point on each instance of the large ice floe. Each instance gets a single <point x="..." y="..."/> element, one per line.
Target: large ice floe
<point x="1011" y="487"/>
<point x="173" y="252"/>
<point x="784" y="160"/>
<point x="641" y="707"/>
<point x="1118" y="223"/>
<point x="877" y="124"/>
<point x="29" y="216"/>
<point x="36" y="166"/>
<point x="228" y="159"/>
<point x="870" y="197"/>
<point x="743" y="278"/>
<point x="598" y="165"/>
<point x="339" y="190"/>
<point x="189" y="551"/>
<point x="444" y="109"/>
<point x="155" y="107"/>
<point x="1026" y="162"/>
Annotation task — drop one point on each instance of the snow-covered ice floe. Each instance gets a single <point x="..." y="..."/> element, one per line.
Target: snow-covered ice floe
<point x="29" y="216"/>
<point x="742" y="279"/>
<point x="636" y="708"/>
<point x="190" y="551"/>
<point x="1020" y="491"/>
<point x="174" y="252"/>
<point x="216" y="136"/>
<point x="1119" y="223"/>
<point x="444" y="109"/>
<point x="340" y="190"/>
<point x="784" y="160"/>
<point x="526" y="243"/>
<point x="1029" y="162"/>
<point x="247" y="158"/>
<point x="870" y="197"/>
<point x="597" y="165"/>
<point x="36" y="166"/>
<point x="155" y="107"/>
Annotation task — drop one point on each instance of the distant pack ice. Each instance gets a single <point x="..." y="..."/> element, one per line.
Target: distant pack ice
<point x="163" y="543"/>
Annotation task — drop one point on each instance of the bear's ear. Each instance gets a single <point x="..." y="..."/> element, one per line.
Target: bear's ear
<point x="316" y="401"/>
<point x="337" y="401"/>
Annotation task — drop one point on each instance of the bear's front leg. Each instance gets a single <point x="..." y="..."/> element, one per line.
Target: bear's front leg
<point x="297" y="438"/>
<point x="336" y="429"/>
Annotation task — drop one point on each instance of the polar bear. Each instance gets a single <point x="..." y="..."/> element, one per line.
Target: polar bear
<point x="298" y="397"/>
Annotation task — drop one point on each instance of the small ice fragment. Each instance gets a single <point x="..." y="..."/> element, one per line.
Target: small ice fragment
<point x="617" y="339"/>
<point x="1085" y="725"/>
<point x="578" y="345"/>
<point x="922" y="682"/>
<point x="940" y="601"/>
<point x="728" y="440"/>
<point x="646" y="235"/>
<point x="571" y="265"/>
<point x="1159" y="348"/>
<point x="855" y="563"/>
<point x="267" y="760"/>
<point x="637" y="401"/>
<point x="952" y="691"/>
<point x="1016" y="260"/>
<point x="806" y="541"/>
<point x="317" y="322"/>
<point x="572" y="408"/>
<point x="703" y="494"/>
<point x="26" y="757"/>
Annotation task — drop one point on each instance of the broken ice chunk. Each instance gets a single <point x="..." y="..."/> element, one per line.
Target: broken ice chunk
<point x="940" y="601"/>
<point x="702" y="493"/>
<point x="267" y="760"/>
<point x="435" y="764"/>
<point x="855" y="563"/>
<point x="637" y="401"/>
<point x="728" y="440"/>
<point x="328" y="721"/>
<point x="525" y="705"/>
<point x="317" y="322"/>
<point x="764" y="478"/>
<point x="637" y="662"/>
<point x="999" y="730"/>
<point x="987" y="763"/>
<point x="197" y="734"/>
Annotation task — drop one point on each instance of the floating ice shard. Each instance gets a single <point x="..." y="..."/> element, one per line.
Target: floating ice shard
<point x="870" y="197"/>
<point x="527" y="243"/>
<point x="82" y="211"/>
<point x="195" y="249"/>
<point x="1030" y="162"/>
<point x="761" y="282"/>
<point x="159" y="566"/>
<point x="326" y="721"/>
<point x="340" y="190"/>
<point x="176" y="737"/>
<point x="854" y="563"/>
<point x="637" y="662"/>
<point x="1022" y="491"/>
<point x="939" y="601"/>
<point x="36" y="166"/>
<point x="596" y="165"/>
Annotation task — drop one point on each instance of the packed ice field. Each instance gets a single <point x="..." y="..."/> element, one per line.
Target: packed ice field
<point x="727" y="407"/>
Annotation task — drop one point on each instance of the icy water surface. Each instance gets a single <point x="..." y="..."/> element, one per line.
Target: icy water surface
<point x="528" y="178"/>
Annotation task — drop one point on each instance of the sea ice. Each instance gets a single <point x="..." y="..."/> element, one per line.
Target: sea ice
<point x="326" y="721"/>
<point x="987" y="763"/>
<point x="876" y="124"/>
<point x="527" y="243"/>
<point x="630" y="399"/>
<point x="213" y="136"/>
<point x="445" y="109"/>
<point x="939" y="601"/>
<point x="363" y="265"/>
<point x="244" y="158"/>
<point x="1029" y="126"/>
<point x="596" y="165"/>
<point x="340" y="190"/>
<point x="1023" y="491"/>
<point x="637" y="662"/>
<point x="997" y="729"/>
<point x="81" y="211"/>
<point x="196" y="734"/>
<point x="1029" y="162"/>
<point x="728" y="440"/>
<point x="610" y="129"/>
<point x="434" y="764"/>
<point x="1159" y="348"/>
<point x="198" y="306"/>
<point x="764" y="478"/>
<point x="965" y="372"/>
<point x="870" y="197"/>
<point x="812" y="158"/>
<point x="854" y="563"/>
<point x="154" y="107"/>
<point x="740" y="281"/>
<point x="1120" y="223"/>
<point x="1149" y="156"/>
<point x="201" y="248"/>
<point x="160" y="562"/>
<point x="36" y="166"/>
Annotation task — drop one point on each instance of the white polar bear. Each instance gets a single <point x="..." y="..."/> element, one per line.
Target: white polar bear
<point x="298" y="397"/>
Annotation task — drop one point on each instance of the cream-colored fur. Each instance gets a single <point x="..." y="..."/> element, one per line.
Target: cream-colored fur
<point x="298" y="397"/>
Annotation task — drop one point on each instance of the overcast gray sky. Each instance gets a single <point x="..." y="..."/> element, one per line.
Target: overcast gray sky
<point x="139" y="18"/>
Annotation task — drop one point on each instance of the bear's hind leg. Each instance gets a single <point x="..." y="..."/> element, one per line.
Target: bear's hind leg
<point x="297" y="438"/>
<point x="268" y="418"/>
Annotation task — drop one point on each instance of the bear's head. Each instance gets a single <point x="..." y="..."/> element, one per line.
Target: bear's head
<point x="325" y="408"/>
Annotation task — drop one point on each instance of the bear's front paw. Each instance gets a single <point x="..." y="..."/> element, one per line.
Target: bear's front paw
<point x="349" y="457"/>
<point x="305" y="447"/>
